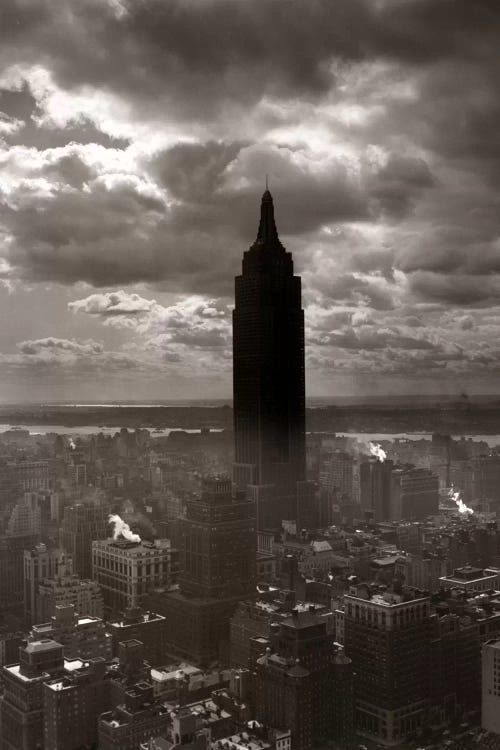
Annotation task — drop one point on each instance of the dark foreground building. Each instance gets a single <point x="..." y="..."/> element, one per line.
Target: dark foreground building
<point x="389" y="639"/>
<point x="269" y="381"/>
<point x="304" y="682"/>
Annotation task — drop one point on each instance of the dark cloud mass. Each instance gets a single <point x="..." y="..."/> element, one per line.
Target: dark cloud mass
<point x="135" y="136"/>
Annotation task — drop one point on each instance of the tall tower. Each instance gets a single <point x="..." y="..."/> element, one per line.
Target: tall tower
<point x="268" y="373"/>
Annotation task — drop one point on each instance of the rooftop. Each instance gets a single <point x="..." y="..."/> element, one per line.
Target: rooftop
<point x="44" y="644"/>
<point x="385" y="600"/>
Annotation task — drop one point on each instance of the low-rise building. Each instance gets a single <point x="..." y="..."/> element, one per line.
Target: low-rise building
<point x="254" y="618"/>
<point x="185" y="682"/>
<point x="147" y="627"/>
<point x="137" y="720"/>
<point x="82" y="636"/>
<point x="472" y="579"/>
<point x="63" y="588"/>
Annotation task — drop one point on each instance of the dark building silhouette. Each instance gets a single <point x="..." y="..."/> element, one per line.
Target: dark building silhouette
<point x="72" y="704"/>
<point x="12" y="572"/>
<point x="269" y="380"/>
<point x="388" y="639"/>
<point x="414" y="494"/>
<point x="375" y="488"/>
<point x="218" y="551"/>
<point x="21" y="706"/>
<point x="147" y="627"/>
<point x="219" y="543"/>
<point x="81" y="525"/>
<point x="304" y="682"/>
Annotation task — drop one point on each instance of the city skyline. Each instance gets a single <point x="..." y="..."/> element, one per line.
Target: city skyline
<point x="135" y="139"/>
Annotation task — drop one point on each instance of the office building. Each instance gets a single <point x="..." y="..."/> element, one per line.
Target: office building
<point x="10" y="489"/>
<point x="12" y="572"/>
<point x="183" y="683"/>
<point x="72" y="704"/>
<point x="21" y="706"/>
<point x="197" y="726"/>
<point x="485" y="478"/>
<point x="268" y="377"/>
<point x="490" y="704"/>
<point x="147" y="627"/>
<point x="127" y="570"/>
<point x="421" y="572"/>
<point x="254" y="618"/>
<point x="472" y="580"/>
<point x="25" y="518"/>
<point x="137" y="720"/>
<point x="81" y="525"/>
<point x="40" y="563"/>
<point x="32" y="475"/>
<point x="303" y="683"/>
<point x="65" y="588"/>
<point x="81" y="636"/>
<point x="409" y="537"/>
<point x="219" y="543"/>
<point x="77" y="474"/>
<point x="375" y="488"/>
<point x="388" y="640"/>
<point x="414" y="494"/>
<point x="218" y="570"/>
<point x="339" y="480"/>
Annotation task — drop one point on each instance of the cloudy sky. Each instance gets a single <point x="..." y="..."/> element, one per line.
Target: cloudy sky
<point x="135" y="136"/>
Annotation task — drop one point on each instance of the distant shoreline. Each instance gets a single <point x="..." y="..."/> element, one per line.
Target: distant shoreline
<point x="450" y="417"/>
<point x="313" y="402"/>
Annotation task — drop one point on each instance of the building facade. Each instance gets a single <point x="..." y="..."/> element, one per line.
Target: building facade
<point x="375" y="488"/>
<point x="21" y="706"/>
<point x="147" y="627"/>
<point x="304" y="683"/>
<point x="72" y="704"/>
<point x="490" y="705"/>
<point x="388" y="640"/>
<point x="80" y="636"/>
<point x="40" y="563"/>
<point x="414" y="494"/>
<point x="66" y="588"/>
<point x="218" y="559"/>
<point x="81" y="525"/>
<point x="127" y="570"/>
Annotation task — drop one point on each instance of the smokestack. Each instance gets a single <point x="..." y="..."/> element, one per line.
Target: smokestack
<point x="122" y="529"/>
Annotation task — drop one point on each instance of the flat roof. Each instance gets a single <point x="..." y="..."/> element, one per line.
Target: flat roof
<point x="379" y="600"/>
<point x="15" y="670"/>
<point x="44" y="644"/>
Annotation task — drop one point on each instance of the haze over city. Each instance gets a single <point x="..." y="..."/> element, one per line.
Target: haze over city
<point x="135" y="139"/>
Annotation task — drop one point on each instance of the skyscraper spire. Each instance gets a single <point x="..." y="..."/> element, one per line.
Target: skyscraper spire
<point x="267" y="234"/>
<point x="268" y="379"/>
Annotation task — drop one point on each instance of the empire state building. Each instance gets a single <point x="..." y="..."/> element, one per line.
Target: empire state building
<point x="269" y="378"/>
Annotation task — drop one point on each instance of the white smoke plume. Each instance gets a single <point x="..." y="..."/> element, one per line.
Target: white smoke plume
<point x="72" y="444"/>
<point x="462" y="507"/>
<point x="378" y="451"/>
<point x="122" y="529"/>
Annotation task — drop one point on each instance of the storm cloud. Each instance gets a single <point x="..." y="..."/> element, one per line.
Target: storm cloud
<point x="135" y="137"/>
